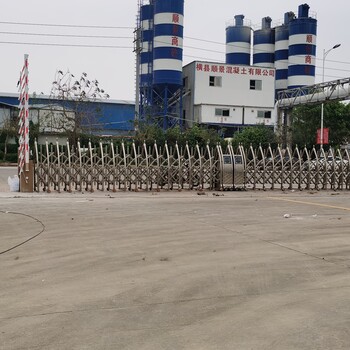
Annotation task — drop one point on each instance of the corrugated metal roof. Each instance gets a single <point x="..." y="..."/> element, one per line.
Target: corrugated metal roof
<point x="7" y="104"/>
<point x="16" y="95"/>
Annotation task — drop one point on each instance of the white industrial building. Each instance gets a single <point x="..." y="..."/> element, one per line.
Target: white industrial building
<point x="228" y="96"/>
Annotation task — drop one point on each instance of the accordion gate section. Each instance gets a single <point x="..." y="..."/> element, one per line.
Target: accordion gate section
<point x="124" y="167"/>
<point x="128" y="167"/>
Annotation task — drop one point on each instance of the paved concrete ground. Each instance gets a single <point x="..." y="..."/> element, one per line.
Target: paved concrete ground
<point x="175" y="271"/>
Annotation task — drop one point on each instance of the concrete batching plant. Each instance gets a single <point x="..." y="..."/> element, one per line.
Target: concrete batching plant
<point x="258" y="64"/>
<point x="159" y="64"/>
<point x="290" y="47"/>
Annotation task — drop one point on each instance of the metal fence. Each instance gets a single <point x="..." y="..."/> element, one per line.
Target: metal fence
<point x="111" y="167"/>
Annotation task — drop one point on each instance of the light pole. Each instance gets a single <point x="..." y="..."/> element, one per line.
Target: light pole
<point x="325" y="53"/>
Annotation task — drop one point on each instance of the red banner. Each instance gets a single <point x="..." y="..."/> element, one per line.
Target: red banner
<point x="325" y="136"/>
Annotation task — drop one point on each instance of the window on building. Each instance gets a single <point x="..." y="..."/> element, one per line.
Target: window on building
<point x="264" y="114"/>
<point x="255" y="84"/>
<point x="14" y="113"/>
<point x="222" y="112"/>
<point x="185" y="82"/>
<point x="215" y="81"/>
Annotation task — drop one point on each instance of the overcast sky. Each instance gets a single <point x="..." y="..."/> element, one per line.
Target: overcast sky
<point x="114" y="67"/>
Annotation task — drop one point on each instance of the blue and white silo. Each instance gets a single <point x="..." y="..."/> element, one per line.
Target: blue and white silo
<point x="167" y="61"/>
<point x="264" y="45"/>
<point x="282" y="52"/>
<point x="146" y="56"/>
<point x="302" y="49"/>
<point x="168" y="44"/>
<point x="238" y="42"/>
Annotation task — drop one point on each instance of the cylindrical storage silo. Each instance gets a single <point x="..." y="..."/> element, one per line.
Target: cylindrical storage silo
<point x="264" y="45"/>
<point x="238" y="42"/>
<point x="302" y="49"/>
<point x="146" y="56"/>
<point x="168" y="44"/>
<point x="282" y="53"/>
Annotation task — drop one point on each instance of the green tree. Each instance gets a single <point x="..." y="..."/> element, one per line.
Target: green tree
<point x="255" y="136"/>
<point x="337" y="119"/>
<point x="8" y="130"/>
<point x="201" y="135"/>
<point x="149" y="133"/>
<point x="307" y="119"/>
<point x="197" y="134"/>
<point x="173" y="135"/>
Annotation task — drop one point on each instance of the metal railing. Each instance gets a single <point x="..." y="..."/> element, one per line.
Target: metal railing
<point x="110" y="167"/>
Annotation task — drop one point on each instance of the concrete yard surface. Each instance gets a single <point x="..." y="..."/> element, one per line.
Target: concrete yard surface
<point x="175" y="270"/>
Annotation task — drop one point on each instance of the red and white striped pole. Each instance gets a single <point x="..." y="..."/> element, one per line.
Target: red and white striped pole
<point x="23" y="151"/>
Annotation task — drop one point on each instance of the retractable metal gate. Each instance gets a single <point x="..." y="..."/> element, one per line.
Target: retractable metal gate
<point x="110" y="167"/>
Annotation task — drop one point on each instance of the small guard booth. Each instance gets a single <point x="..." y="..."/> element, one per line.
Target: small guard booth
<point x="231" y="170"/>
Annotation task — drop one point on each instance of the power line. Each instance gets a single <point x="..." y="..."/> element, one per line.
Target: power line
<point x="129" y="47"/>
<point x="202" y="58"/>
<point x="330" y="76"/>
<point x="67" y="45"/>
<point x="64" y="25"/>
<point x="335" y="61"/>
<point x="70" y="35"/>
<point x="124" y="27"/>
<point x="260" y="50"/>
<point x="337" y="69"/>
<point x="206" y="41"/>
<point x="201" y="49"/>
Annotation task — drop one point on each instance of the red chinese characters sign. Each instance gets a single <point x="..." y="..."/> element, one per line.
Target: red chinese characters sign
<point x="176" y="18"/>
<point x="308" y="56"/>
<point x="175" y="41"/>
<point x="325" y="136"/>
<point x="175" y="31"/>
<point x="234" y="70"/>
<point x="309" y="38"/>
